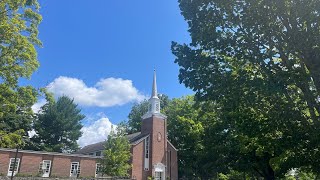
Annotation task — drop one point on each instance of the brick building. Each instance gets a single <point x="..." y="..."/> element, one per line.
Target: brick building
<point x="47" y="164"/>
<point x="152" y="153"/>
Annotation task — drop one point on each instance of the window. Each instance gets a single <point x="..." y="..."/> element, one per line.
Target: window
<point x="98" y="153"/>
<point x="44" y="168"/>
<point x="98" y="169"/>
<point x="147" y="147"/>
<point x="158" y="107"/>
<point x="75" y="169"/>
<point x="16" y="166"/>
<point x="146" y="153"/>
<point x="91" y="154"/>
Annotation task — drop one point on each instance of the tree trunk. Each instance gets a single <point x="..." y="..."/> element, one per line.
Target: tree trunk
<point x="269" y="174"/>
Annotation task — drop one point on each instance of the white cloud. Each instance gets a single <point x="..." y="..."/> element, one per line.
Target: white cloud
<point x="31" y="133"/>
<point x="36" y="107"/>
<point x="96" y="132"/>
<point x="105" y="93"/>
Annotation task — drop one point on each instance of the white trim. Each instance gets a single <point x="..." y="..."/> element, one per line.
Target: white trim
<point x="140" y="140"/>
<point x="149" y="115"/>
<point x="160" y="168"/>
<point x="44" y="168"/>
<point x="146" y="153"/>
<point x="76" y="170"/>
<point x="172" y="145"/>
<point x="96" y="171"/>
<point x="16" y="166"/>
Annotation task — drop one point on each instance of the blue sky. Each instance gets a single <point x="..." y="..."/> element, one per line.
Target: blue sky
<point x="91" y="48"/>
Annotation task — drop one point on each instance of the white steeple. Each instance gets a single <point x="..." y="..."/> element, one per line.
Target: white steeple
<point x="154" y="102"/>
<point x="154" y="86"/>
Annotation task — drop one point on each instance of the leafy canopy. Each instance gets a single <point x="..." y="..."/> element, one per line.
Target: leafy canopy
<point x="116" y="156"/>
<point x="19" y="20"/>
<point x="257" y="62"/>
<point x="58" y="126"/>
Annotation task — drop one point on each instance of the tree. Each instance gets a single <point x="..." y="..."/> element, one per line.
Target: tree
<point x="139" y="109"/>
<point x="19" y="20"/>
<point x="186" y="133"/>
<point x="256" y="61"/>
<point x="116" y="156"/>
<point x="58" y="126"/>
<point x="11" y="140"/>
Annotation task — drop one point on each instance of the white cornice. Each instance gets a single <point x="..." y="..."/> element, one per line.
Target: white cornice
<point x="158" y="115"/>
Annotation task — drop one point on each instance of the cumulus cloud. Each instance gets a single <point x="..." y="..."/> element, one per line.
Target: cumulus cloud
<point x="105" y="93"/>
<point x="96" y="132"/>
<point x="36" y="107"/>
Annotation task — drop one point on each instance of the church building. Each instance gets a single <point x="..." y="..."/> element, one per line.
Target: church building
<point x="152" y="155"/>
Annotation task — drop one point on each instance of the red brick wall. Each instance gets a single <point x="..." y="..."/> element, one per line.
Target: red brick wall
<point x="4" y="162"/>
<point x="88" y="167"/>
<point x="153" y="126"/>
<point x="61" y="166"/>
<point x="172" y="170"/>
<point x="29" y="164"/>
<point x="158" y="148"/>
<point x="138" y="162"/>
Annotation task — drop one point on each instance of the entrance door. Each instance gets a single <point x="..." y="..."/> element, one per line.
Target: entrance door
<point x="74" y="171"/>
<point x="159" y="170"/>
<point x="46" y="166"/>
<point x="159" y="176"/>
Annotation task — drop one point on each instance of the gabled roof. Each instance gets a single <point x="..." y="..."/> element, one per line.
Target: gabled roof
<point x="100" y="145"/>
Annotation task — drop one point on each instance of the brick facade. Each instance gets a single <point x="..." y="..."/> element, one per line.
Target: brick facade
<point x="161" y="151"/>
<point x="30" y="164"/>
<point x="137" y="171"/>
<point x="60" y="163"/>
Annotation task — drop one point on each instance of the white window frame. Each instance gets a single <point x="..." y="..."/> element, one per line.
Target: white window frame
<point x="98" y="167"/>
<point x="77" y="169"/>
<point x="43" y="168"/>
<point x="16" y="170"/>
<point x="146" y="153"/>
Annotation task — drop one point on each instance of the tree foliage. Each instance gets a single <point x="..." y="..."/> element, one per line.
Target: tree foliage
<point x="19" y="20"/>
<point x="186" y="133"/>
<point x="116" y="156"/>
<point x="11" y="140"/>
<point x="58" y="126"/>
<point x="257" y="62"/>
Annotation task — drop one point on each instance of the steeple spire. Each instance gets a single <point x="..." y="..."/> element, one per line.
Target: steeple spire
<point x="154" y="86"/>
<point x="154" y="101"/>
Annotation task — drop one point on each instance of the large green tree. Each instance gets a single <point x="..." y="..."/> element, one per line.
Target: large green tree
<point x="116" y="156"/>
<point x="186" y="133"/>
<point x="58" y="126"/>
<point x="19" y="20"/>
<point x="256" y="60"/>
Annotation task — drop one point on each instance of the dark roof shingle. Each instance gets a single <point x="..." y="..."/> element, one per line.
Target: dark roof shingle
<point x="100" y="145"/>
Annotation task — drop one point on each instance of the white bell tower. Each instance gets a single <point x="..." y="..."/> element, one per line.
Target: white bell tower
<point x="154" y="101"/>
